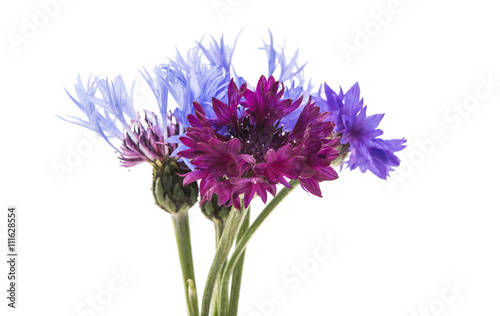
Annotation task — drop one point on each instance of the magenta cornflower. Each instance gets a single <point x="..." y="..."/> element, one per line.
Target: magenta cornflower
<point x="246" y="150"/>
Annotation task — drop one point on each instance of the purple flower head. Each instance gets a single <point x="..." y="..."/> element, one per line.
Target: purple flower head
<point x="147" y="142"/>
<point x="245" y="150"/>
<point x="360" y="132"/>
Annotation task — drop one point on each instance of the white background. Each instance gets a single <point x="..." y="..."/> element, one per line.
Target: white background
<point x="400" y="242"/>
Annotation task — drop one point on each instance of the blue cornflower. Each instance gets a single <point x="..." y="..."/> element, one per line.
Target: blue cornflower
<point x="219" y="54"/>
<point x="110" y="113"/>
<point x="359" y="132"/>
<point x="190" y="79"/>
<point x="289" y="71"/>
<point x="108" y="107"/>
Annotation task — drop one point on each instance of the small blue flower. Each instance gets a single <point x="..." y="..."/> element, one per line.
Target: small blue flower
<point x="108" y="107"/>
<point x="185" y="88"/>
<point x="219" y="54"/>
<point x="360" y="132"/>
<point x="190" y="79"/>
<point x="380" y="159"/>
<point x="110" y="112"/>
<point x="290" y="71"/>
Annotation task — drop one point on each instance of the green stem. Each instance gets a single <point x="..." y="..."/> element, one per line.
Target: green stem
<point x="193" y="298"/>
<point x="214" y="308"/>
<point x="219" y="229"/>
<point x="183" y="238"/>
<point x="223" y="301"/>
<point x="241" y="245"/>
<point x="232" y="226"/>
<point x="238" y="271"/>
<point x="214" y="304"/>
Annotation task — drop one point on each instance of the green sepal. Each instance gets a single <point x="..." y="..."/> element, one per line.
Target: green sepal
<point x="169" y="191"/>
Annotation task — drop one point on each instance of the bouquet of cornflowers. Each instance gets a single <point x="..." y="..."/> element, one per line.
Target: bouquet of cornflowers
<point x="227" y="141"/>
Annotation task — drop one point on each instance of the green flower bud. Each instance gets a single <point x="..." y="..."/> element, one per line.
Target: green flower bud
<point x="168" y="189"/>
<point x="213" y="211"/>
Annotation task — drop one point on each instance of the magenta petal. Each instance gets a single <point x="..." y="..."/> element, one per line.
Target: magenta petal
<point x="311" y="186"/>
<point x="245" y="150"/>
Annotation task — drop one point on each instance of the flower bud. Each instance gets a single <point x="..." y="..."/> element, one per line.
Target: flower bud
<point x="168" y="189"/>
<point x="213" y="211"/>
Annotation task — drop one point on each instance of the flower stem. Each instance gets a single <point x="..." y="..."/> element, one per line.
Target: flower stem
<point x="219" y="229"/>
<point x="215" y="304"/>
<point x="193" y="298"/>
<point x="223" y="300"/>
<point x="238" y="271"/>
<point x="241" y="245"/>
<point x="183" y="238"/>
<point x="233" y="224"/>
